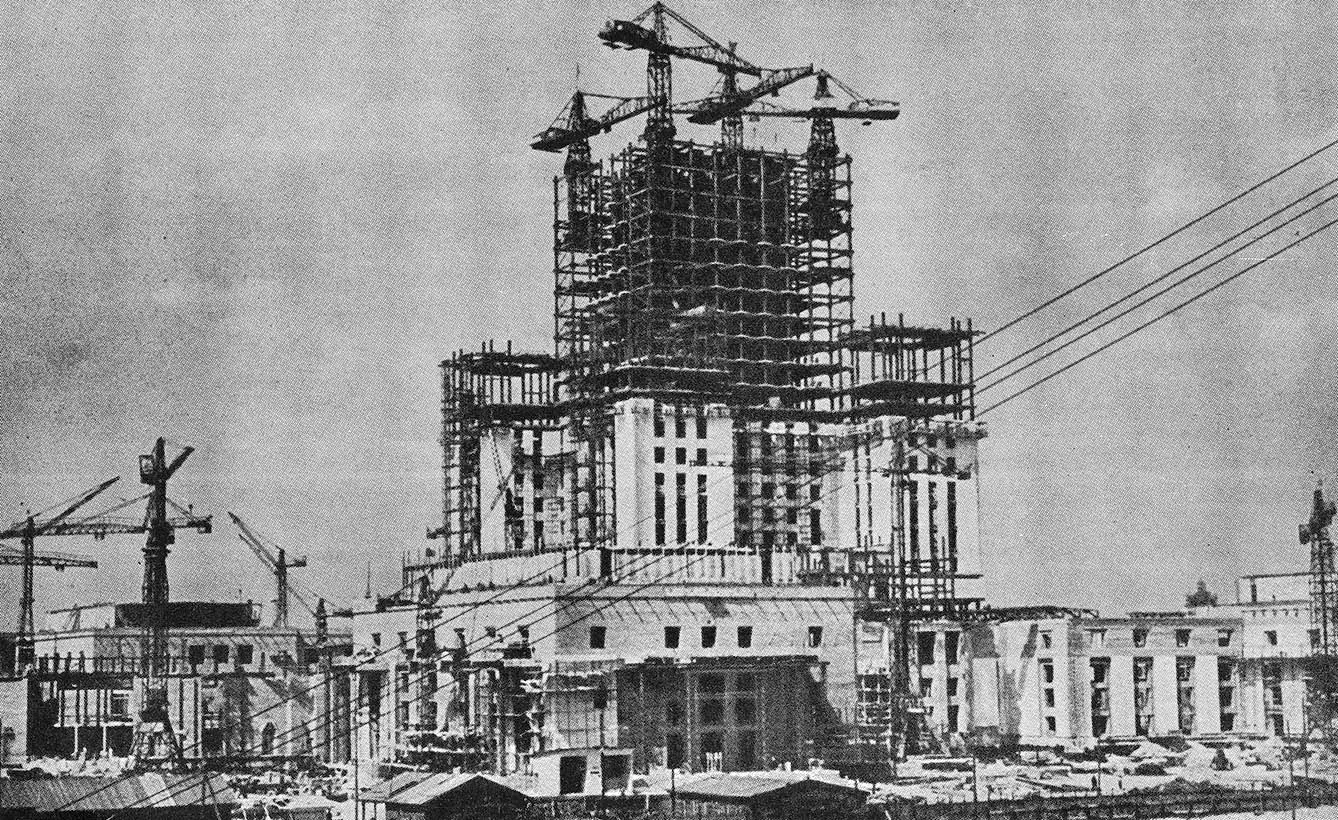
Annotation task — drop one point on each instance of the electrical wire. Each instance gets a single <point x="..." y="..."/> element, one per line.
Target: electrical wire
<point x="1161" y="278"/>
<point x="1148" y="299"/>
<point x="1196" y="220"/>
<point x="1155" y="319"/>
<point x="500" y="593"/>
<point x="571" y="601"/>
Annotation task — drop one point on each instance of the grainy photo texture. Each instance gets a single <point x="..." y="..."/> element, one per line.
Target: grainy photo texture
<point x="752" y="411"/>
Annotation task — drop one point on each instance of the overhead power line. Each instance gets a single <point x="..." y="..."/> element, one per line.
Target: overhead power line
<point x="1145" y="301"/>
<point x="1161" y="278"/>
<point x="1196" y="220"/>
<point x="1156" y="319"/>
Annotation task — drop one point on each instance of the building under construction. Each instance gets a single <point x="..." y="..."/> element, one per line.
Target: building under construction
<point x="723" y="499"/>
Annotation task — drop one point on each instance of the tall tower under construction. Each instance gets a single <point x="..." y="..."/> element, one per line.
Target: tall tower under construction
<point x="732" y="493"/>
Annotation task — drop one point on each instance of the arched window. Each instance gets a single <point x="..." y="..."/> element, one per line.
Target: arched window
<point x="267" y="739"/>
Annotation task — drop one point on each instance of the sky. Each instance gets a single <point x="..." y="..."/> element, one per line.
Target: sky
<point x="256" y="228"/>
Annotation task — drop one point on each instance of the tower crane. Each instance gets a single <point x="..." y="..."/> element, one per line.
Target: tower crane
<point x="1322" y="665"/>
<point x="572" y="130"/>
<point x="276" y="558"/>
<point x="154" y="736"/>
<point x="728" y="106"/>
<point x="822" y="150"/>
<point x="29" y="558"/>
<point x="654" y="39"/>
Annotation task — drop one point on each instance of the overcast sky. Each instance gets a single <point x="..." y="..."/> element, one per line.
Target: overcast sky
<point x="256" y="228"/>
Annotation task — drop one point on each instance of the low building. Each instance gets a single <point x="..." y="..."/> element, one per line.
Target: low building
<point x="1051" y="676"/>
<point x="235" y="687"/>
<point x="766" y="795"/>
<point x="705" y="676"/>
<point x="429" y="796"/>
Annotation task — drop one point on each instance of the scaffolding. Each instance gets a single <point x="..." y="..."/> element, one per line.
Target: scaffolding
<point x="484" y="389"/>
<point x="1322" y="665"/>
<point x="706" y="280"/>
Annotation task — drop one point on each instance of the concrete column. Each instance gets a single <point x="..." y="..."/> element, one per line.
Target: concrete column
<point x="1122" y="696"/>
<point x="1207" y="701"/>
<point x="1293" y="696"/>
<point x="1165" y="706"/>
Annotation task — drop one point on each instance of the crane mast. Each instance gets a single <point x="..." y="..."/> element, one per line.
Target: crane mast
<point x="27" y="532"/>
<point x="155" y="739"/>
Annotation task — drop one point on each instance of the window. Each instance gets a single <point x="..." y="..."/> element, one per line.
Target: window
<point x="1050" y="698"/>
<point x="745" y="710"/>
<point x="708" y="637"/>
<point x="680" y="427"/>
<point x="711" y="684"/>
<point x="701" y="425"/>
<point x="118" y="707"/>
<point x="1046" y="640"/>
<point x="598" y="636"/>
<point x="950" y="646"/>
<point x="1050" y="725"/>
<point x="671" y="635"/>
<point x="1224" y="637"/>
<point x="1314" y="639"/>
<point x="659" y="455"/>
<point x="1140" y="637"/>
<point x="659" y="426"/>
<point x="245" y="653"/>
<point x="814" y="637"/>
<point x="404" y="638"/>
<point x="1048" y="672"/>
<point x="673" y="713"/>
<point x="376" y="639"/>
<point x="196" y="655"/>
<point x="681" y="506"/>
<point x="701" y="457"/>
<point x="659" y="509"/>
<point x="221" y="653"/>
<point x="926" y="687"/>
<point x="924" y="647"/>
<point x="713" y="712"/>
<point x="745" y="636"/>
<point x="681" y="455"/>
<point x="1097" y="638"/>
<point x="952" y="687"/>
<point x="1271" y="637"/>
<point x="1182" y="637"/>
<point x="701" y="509"/>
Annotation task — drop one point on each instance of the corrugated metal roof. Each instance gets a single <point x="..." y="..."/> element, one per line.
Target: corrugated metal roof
<point x="71" y="794"/>
<point x="419" y="788"/>
<point x="380" y="792"/>
<point x="744" y="787"/>
<point x="730" y="785"/>
<point x="431" y="788"/>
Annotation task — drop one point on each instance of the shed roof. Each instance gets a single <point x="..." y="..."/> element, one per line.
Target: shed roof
<point x="142" y="791"/>
<point x="743" y="787"/>
<point x="420" y="788"/>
